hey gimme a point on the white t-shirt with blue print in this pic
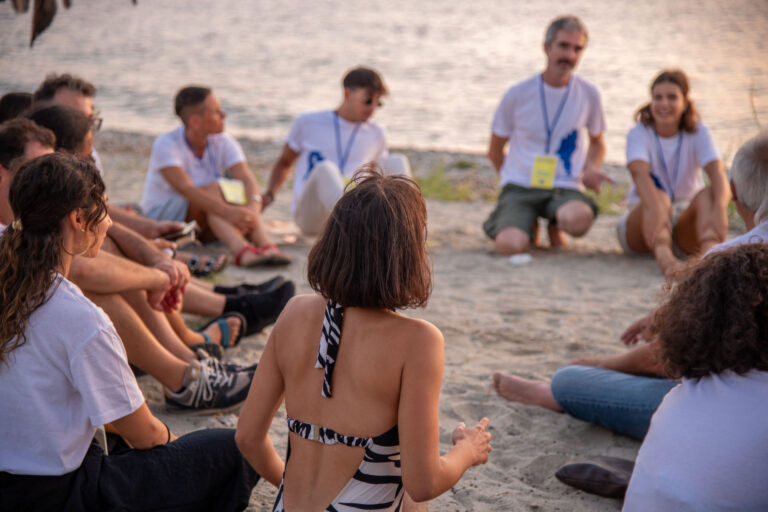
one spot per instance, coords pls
(520, 118)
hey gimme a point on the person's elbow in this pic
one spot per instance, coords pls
(245, 442)
(422, 489)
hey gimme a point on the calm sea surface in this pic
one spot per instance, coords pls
(446, 62)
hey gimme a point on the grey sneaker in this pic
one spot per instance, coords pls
(209, 387)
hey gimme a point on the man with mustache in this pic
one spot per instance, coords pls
(553, 123)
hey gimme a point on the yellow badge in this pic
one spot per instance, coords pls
(543, 172)
(233, 191)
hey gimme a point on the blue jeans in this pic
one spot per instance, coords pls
(618, 401)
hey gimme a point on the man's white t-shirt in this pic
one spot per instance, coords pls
(70, 376)
(706, 449)
(173, 150)
(679, 176)
(313, 136)
(520, 118)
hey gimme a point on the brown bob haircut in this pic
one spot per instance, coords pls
(716, 319)
(689, 121)
(372, 252)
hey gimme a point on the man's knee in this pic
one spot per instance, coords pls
(511, 241)
(575, 218)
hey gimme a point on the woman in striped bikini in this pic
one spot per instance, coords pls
(362, 406)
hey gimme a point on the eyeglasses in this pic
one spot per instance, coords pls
(96, 121)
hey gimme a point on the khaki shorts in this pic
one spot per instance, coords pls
(520, 207)
(678, 207)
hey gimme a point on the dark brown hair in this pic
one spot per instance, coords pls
(43, 192)
(365, 78)
(372, 253)
(689, 121)
(188, 98)
(53, 82)
(14, 104)
(716, 319)
(69, 125)
(16, 134)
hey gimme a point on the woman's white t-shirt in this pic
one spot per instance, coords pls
(70, 376)
(679, 174)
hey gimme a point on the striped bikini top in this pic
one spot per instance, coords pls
(377, 484)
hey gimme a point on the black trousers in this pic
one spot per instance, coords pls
(202, 471)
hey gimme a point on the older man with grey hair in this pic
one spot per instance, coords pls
(554, 125)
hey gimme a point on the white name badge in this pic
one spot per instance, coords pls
(543, 171)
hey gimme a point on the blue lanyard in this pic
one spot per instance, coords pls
(343, 156)
(551, 129)
(672, 178)
(212, 169)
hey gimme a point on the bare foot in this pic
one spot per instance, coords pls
(556, 237)
(525, 391)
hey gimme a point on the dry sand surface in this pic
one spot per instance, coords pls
(527, 319)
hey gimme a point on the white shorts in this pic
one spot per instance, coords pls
(678, 207)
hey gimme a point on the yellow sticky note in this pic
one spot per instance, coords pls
(233, 191)
(543, 172)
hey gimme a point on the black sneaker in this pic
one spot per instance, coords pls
(246, 288)
(262, 309)
(210, 388)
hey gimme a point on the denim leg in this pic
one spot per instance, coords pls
(618, 401)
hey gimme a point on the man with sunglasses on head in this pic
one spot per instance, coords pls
(554, 125)
(329, 146)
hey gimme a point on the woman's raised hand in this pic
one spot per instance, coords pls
(476, 438)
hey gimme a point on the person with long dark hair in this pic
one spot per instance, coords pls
(671, 208)
(364, 401)
(63, 372)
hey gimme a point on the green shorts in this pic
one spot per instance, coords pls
(520, 207)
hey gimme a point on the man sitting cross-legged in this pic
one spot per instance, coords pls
(183, 181)
(622, 392)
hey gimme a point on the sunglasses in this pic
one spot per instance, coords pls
(369, 101)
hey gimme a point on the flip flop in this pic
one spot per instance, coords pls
(268, 254)
(224, 327)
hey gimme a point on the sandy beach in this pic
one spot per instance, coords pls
(527, 319)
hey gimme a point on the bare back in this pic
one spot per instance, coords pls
(365, 387)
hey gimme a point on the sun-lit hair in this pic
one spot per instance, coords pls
(749, 173)
(569, 23)
(689, 121)
(43, 193)
(372, 252)
(716, 318)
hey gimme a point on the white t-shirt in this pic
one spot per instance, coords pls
(2, 228)
(172, 150)
(520, 118)
(679, 177)
(706, 449)
(70, 376)
(313, 136)
(758, 234)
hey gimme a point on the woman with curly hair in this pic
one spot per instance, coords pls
(63, 373)
(362, 404)
(707, 448)
(669, 205)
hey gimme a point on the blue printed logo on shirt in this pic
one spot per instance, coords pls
(566, 150)
(314, 158)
